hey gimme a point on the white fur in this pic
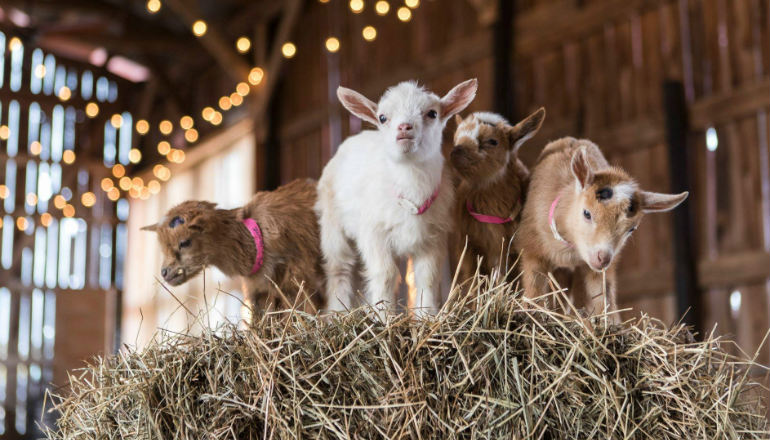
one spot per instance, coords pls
(360, 209)
(624, 191)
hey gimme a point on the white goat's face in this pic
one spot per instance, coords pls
(409, 117)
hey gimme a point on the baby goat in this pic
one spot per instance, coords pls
(491, 190)
(273, 238)
(384, 194)
(579, 213)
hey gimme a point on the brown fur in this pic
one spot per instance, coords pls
(494, 181)
(218, 237)
(577, 171)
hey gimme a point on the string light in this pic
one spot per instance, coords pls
(68, 156)
(125, 183)
(176, 156)
(5, 132)
(164, 147)
(412, 3)
(357, 6)
(88, 199)
(59, 201)
(14, 43)
(186, 122)
(216, 119)
(4, 192)
(332, 44)
(65, 93)
(142, 126)
(118, 170)
(31, 199)
(208, 113)
(191, 135)
(243, 45)
(153, 6)
(68, 210)
(116, 120)
(255, 75)
(35, 148)
(92, 109)
(382, 7)
(45, 219)
(289, 49)
(107, 184)
(404, 14)
(134, 193)
(199, 28)
(242, 89)
(236, 99)
(40, 71)
(369, 33)
(165, 126)
(113, 194)
(153, 186)
(134, 155)
(22, 223)
(224, 103)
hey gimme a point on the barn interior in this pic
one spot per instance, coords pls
(112, 111)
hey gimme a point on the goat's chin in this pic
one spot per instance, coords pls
(406, 146)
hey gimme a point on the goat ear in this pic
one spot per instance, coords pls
(581, 169)
(660, 202)
(458, 119)
(358, 104)
(458, 98)
(525, 129)
(150, 227)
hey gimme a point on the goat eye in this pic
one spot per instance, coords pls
(176, 221)
(604, 194)
(185, 243)
(432, 114)
(383, 119)
(492, 142)
(586, 214)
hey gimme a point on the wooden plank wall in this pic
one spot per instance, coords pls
(598, 67)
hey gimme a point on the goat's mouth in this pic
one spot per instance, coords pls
(401, 137)
(180, 275)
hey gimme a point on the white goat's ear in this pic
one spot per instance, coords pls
(458, 98)
(581, 169)
(150, 227)
(524, 130)
(358, 104)
(660, 202)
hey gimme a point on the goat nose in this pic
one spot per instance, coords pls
(404, 127)
(164, 272)
(604, 258)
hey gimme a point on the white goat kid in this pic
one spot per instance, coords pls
(384, 194)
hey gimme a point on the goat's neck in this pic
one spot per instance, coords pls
(410, 173)
(232, 246)
(494, 196)
(564, 210)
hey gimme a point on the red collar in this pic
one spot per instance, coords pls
(483, 218)
(256, 233)
(420, 210)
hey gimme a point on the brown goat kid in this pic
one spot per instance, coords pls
(273, 238)
(579, 213)
(490, 195)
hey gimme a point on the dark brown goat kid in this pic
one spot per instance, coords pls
(273, 238)
(490, 195)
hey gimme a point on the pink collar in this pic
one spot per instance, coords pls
(419, 210)
(552, 222)
(253, 228)
(483, 218)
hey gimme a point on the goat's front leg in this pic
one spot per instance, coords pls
(427, 267)
(380, 269)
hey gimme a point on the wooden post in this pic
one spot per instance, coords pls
(685, 273)
(503, 50)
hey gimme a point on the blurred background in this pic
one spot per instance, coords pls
(112, 111)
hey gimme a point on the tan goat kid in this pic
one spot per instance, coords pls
(579, 213)
(273, 238)
(490, 195)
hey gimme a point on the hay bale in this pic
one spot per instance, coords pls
(499, 371)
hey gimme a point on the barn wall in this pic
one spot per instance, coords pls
(598, 67)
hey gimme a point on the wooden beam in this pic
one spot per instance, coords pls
(735, 269)
(734, 104)
(214, 41)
